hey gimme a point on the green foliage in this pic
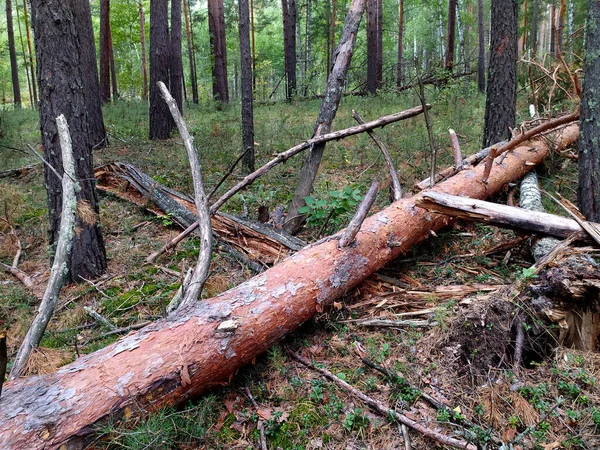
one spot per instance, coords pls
(356, 421)
(333, 209)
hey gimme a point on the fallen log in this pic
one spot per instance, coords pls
(259, 242)
(501, 215)
(204, 344)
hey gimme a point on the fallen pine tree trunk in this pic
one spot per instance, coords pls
(204, 344)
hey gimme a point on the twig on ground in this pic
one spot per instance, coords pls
(406, 436)
(261, 429)
(384, 323)
(193, 290)
(99, 318)
(386, 155)
(361, 214)
(384, 410)
(63, 250)
(122, 330)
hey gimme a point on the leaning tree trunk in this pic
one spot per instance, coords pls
(588, 194)
(181, 356)
(501, 97)
(329, 106)
(62, 71)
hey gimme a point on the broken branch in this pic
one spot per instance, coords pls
(360, 216)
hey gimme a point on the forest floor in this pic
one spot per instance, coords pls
(453, 355)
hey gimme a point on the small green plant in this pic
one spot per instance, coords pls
(528, 274)
(332, 209)
(443, 416)
(356, 421)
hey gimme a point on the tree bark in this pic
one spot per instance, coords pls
(562, 12)
(113, 67)
(534, 27)
(588, 193)
(161, 122)
(14, 70)
(105, 51)
(501, 97)
(247, 97)
(190, 49)
(372, 46)
(379, 33)
(481, 48)
(461, 38)
(400, 78)
(63, 68)
(216, 28)
(451, 35)
(289, 43)
(181, 356)
(329, 105)
(91, 86)
(176, 66)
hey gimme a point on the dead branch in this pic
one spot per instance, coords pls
(192, 291)
(19, 274)
(501, 215)
(361, 214)
(99, 318)
(384, 323)
(458, 159)
(282, 157)
(228, 173)
(384, 410)
(63, 250)
(261, 429)
(386, 155)
(432, 146)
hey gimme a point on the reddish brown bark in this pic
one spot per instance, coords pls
(183, 355)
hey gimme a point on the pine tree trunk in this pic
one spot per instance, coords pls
(588, 194)
(113, 68)
(30, 51)
(534, 27)
(461, 37)
(500, 104)
(29, 80)
(62, 70)
(400, 78)
(372, 46)
(481, 48)
(553, 28)
(161, 122)
(253, 45)
(562, 12)
(14, 70)
(307, 49)
(441, 39)
(329, 106)
(451, 35)
(190, 50)
(105, 51)
(91, 86)
(246, 69)
(523, 38)
(216, 27)
(379, 57)
(143, 50)
(290, 49)
(176, 67)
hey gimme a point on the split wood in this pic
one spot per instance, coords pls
(284, 156)
(500, 215)
(498, 149)
(386, 155)
(63, 250)
(384, 410)
(361, 214)
(192, 291)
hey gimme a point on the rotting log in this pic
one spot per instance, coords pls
(505, 216)
(259, 242)
(204, 344)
